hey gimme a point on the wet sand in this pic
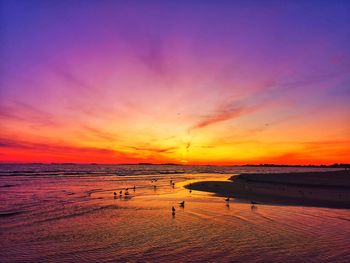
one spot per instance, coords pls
(320, 189)
(77, 218)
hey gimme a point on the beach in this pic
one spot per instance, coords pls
(323, 189)
(70, 213)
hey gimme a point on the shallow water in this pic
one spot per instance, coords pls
(75, 218)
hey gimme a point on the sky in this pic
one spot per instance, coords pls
(190, 82)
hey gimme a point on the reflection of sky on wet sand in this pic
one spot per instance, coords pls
(78, 219)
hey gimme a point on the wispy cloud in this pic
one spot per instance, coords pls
(52, 147)
(67, 74)
(88, 131)
(153, 55)
(20, 111)
(153, 149)
(224, 112)
(188, 145)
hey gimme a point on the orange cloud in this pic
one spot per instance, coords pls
(223, 113)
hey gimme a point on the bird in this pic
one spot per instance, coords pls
(120, 192)
(126, 193)
(126, 189)
(190, 191)
(227, 199)
(173, 210)
(253, 207)
(134, 188)
(182, 204)
(115, 193)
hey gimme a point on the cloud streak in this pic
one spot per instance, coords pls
(153, 149)
(24, 112)
(223, 113)
(89, 132)
(55, 148)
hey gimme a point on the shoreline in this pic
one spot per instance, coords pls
(320, 189)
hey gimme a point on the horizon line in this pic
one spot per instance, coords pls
(179, 164)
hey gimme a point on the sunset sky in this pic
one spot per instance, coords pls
(192, 82)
